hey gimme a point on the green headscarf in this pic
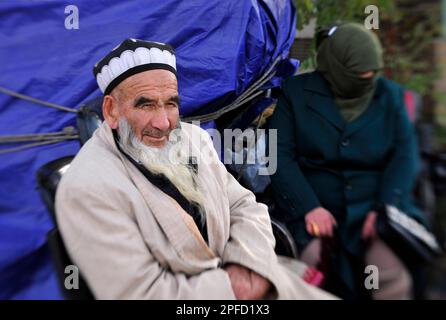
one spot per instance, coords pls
(348, 51)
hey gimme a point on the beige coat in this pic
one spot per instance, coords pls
(132, 241)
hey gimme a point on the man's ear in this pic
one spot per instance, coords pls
(110, 111)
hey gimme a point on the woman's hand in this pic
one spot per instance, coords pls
(369, 229)
(320, 222)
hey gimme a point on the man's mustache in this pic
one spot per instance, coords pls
(156, 133)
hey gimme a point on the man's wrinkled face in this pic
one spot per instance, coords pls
(149, 102)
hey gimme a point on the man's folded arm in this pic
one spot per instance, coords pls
(104, 241)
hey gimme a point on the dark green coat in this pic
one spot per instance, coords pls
(345, 167)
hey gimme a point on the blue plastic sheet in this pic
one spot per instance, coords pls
(221, 46)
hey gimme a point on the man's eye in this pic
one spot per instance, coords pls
(172, 105)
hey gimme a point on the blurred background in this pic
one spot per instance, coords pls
(413, 35)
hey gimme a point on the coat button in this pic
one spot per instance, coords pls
(345, 142)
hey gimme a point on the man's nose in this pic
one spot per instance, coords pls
(160, 120)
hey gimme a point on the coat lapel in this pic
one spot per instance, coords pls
(216, 219)
(320, 99)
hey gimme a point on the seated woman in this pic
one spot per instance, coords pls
(345, 145)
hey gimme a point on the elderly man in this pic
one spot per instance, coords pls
(147, 210)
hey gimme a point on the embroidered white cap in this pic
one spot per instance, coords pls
(132, 56)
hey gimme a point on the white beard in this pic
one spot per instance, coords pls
(168, 160)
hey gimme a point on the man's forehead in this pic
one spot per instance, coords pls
(152, 77)
(159, 82)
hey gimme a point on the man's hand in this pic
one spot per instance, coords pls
(320, 222)
(246, 284)
(369, 229)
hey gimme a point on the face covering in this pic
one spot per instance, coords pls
(348, 51)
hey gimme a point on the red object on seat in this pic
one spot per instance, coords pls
(314, 276)
(410, 102)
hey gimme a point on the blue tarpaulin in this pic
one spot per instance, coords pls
(222, 47)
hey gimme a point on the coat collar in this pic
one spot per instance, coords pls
(321, 100)
(316, 82)
(178, 226)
